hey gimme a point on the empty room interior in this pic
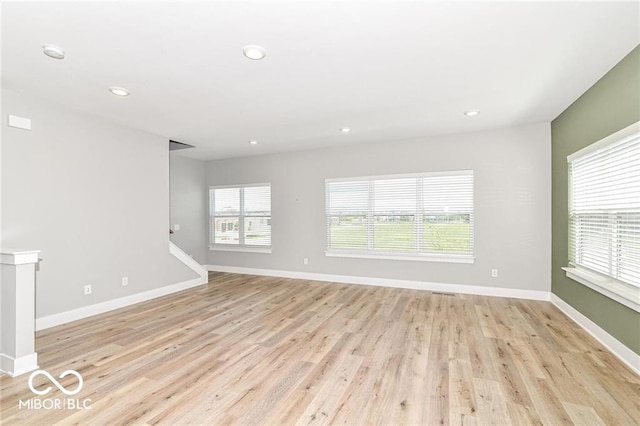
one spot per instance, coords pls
(292, 212)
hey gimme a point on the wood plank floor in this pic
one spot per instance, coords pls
(271, 351)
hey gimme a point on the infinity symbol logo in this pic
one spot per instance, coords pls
(55, 382)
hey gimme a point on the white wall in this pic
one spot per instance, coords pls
(1, 239)
(512, 205)
(93, 196)
(189, 206)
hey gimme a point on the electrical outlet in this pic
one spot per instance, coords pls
(87, 289)
(305, 261)
(125, 281)
(176, 227)
(494, 273)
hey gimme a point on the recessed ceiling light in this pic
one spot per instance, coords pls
(471, 113)
(254, 52)
(119, 91)
(345, 129)
(53, 51)
(253, 142)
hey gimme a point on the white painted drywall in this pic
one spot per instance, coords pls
(93, 196)
(512, 169)
(189, 206)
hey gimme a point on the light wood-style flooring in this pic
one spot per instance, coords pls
(270, 351)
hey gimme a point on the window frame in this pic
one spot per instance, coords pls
(242, 215)
(420, 212)
(620, 291)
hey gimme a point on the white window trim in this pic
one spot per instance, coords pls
(239, 247)
(619, 291)
(402, 176)
(445, 258)
(620, 134)
(423, 257)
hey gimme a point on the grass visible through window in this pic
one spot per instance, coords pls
(438, 237)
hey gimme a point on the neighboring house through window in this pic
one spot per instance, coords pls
(240, 217)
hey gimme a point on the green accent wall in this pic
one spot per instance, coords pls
(608, 106)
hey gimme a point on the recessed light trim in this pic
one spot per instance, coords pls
(53, 51)
(254, 52)
(119, 91)
(471, 113)
(253, 142)
(345, 129)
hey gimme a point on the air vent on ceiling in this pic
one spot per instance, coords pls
(175, 145)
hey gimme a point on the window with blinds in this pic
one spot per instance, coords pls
(426, 216)
(240, 216)
(604, 209)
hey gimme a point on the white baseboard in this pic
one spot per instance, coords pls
(110, 305)
(17, 366)
(99, 308)
(626, 355)
(385, 282)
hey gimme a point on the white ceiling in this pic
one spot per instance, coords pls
(389, 70)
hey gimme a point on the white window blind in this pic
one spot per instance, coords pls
(604, 208)
(240, 216)
(416, 216)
